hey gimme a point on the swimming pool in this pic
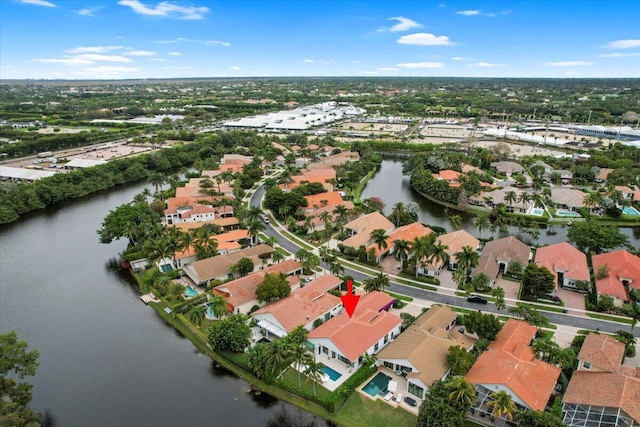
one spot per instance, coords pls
(537, 212)
(334, 375)
(377, 386)
(166, 268)
(190, 292)
(568, 214)
(628, 210)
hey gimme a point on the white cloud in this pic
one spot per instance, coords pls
(460, 58)
(88, 11)
(94, 49)
(421, 65)
(309, 61)
(468, 12)
(624, 44)
(620, 54)
(387, 69)
(217, 43)
(485, 65)
(140, 53)
(65, 61)
(175, 54)
(106, 58)
(370, 73)
(403, 24)
(38, 3)
(357, 61)
(425, 39)
(159, 59)
(235, 68)
(568, 63)
(166, 9)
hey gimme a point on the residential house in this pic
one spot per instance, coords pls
(231, 223)
(627, 193)
(622, 271)
(547, 168)
(507, 168)
(566, 262)
(240, 294)
(602, 392)
(509, 365)
(306, 306)
(453, 178)
(316, 201)
(568, 198)
(348, 339)
(407, 232)
(316, 223)
(360, 229)
(190, 213)
(323, 176)
(420, 352)
(498, 254)
(565, 175)
(455, 242)
(603, 174)
(204, 271)
(490, 199)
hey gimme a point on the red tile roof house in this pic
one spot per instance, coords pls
(346, 339)
(623, 273)
(240, 294)
(304, 307)
(602, 392)
(406, 232)
(498, 254)
(360, 229)
(420, 352)
(204, 271)
(190, 213)
(509, 364)
(567, 262)
(227, 243)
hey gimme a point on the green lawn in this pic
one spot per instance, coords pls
(610, 318)
(291, 376)
(361, 411)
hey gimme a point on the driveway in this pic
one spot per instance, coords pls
(574, 301)
(511, 288)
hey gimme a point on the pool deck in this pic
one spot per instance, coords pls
(391, 398)
(147, 298)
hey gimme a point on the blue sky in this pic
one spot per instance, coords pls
(74, 39)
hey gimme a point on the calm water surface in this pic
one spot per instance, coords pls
(392, 187)
(105, 358)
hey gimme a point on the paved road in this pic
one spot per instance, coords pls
(556, 318)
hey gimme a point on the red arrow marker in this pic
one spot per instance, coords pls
(349, 300)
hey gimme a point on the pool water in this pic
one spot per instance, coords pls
(334, 375)
(378, 385)
(190, 292)
(166, 268)
(568, 213)
(537, 212)
(630, 211)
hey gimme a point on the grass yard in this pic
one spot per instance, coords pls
(291, 376)
(361, 411)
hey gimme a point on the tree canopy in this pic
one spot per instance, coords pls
(230, 334)
(537, 282)
(589, 236)
(273, 286)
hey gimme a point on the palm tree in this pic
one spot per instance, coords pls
(480, 281)
(461, 391)
(397, 214)
(401, 249)
(314, 373)
(255, 227)
(524, 198)
(278, 257)
(455, 221)
(271, 241)
(205, 247)
(482, 223)
(218, 306)
(510, 197)
(593, 200)
(498, 293)
(157, 179)
(437, 253)
(254, 213)
(467, 259)
(502, 404)
(419, 249)
(277, 355)
(301, 357)
(323, 251)
(342, 213)
(196, 315)
(325, 217)
(336, 268)
(379, 237)
(177, 290)
(308, 223)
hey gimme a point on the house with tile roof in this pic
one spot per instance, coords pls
(322, 176)
(347, 339)
(316, 223)
(507, 168)
(360, 229)
(602, 392)
(316, 201)
(455, 241)
(204, 271)
(407, 232)
(498, 254)
(230, 223)
(306, 306)
(568, 198)
(566, 262)
(623, 273)
(333, 160)
(420, 353)
(489, 199)
(509, 364)
(240, 294)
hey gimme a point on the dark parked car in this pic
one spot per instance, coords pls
(409, 401)
(477, 298)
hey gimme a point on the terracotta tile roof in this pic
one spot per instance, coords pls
(406, 232)
(233, 235)
(235, 159)
(185, 253)
(604, 173)
(363, 226)
(190, 191)
(564, 258)
(243, 290)
(507, 249)
(335, 160)
(210, 268)
(333, 198)
(447, 175)
(624, 189)
(510, 361)
(305, 304)
(176, 202)
(568, 196)
(457, 240)
(622, 265)
(426, 342)
(354, 336)
(228, 246)
(198, 209)
(222, 222)
(602, 351)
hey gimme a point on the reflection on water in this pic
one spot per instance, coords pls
(293, 418)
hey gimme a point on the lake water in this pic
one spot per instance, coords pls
(392, 187)
(105, 358)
